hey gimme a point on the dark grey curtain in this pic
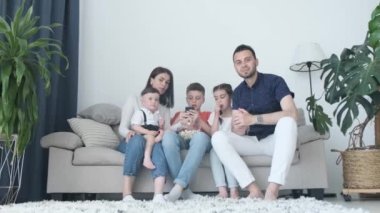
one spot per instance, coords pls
(61, 104)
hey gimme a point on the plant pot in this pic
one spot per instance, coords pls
(11, 165)
(361, 168)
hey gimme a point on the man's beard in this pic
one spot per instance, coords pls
(249, 75)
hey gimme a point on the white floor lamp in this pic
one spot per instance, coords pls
(307, 58)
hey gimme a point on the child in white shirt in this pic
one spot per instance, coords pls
(147, 122)
(220, 119)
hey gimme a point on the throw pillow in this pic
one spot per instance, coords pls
(64, 140)
(104, 113)
(94, 133)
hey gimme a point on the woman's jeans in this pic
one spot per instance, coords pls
(134, 154)
(198, 145)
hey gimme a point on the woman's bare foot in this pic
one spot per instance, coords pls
(272, 191)
(148, 163)
(254, 191)
(234, 193)
(222, 192)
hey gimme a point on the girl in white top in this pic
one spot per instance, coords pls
(220, 119)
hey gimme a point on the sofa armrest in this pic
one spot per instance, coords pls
(64, 140)
(307, 134)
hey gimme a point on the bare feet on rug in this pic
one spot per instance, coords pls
(148, 163)
(272, 191)
(234, 193)
(254, 191)
(222, 192)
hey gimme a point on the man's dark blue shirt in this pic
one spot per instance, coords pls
(263, 97)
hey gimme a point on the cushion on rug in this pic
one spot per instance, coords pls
(103, 113)
(94, 133)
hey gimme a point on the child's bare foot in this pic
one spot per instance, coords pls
(222, 195)
(234, 193)
(254, 191)
(148, 163)
(222, 192)
(257, 194)
(272, 191)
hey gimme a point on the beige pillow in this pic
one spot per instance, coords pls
(65, 140)
(94, 133)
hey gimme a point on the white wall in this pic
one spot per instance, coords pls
(121, 41)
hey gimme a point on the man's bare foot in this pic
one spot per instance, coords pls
(222, 192)
(272, 191)
(234, 193)
(254, 191)
(148, 163)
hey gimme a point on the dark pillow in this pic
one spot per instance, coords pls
(103, 113)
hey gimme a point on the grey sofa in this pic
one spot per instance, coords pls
(76, 168)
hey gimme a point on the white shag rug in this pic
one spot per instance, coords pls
(203, 204)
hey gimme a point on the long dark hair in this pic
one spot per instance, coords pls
(166, 99)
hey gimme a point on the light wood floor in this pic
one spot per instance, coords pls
(371, 205)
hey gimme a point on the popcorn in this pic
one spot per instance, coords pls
(187, 134)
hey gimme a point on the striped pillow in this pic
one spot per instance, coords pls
(94, 133)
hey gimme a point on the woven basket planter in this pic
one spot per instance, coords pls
(361, 168)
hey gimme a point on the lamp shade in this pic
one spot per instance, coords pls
(307, 53)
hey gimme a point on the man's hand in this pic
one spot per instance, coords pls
(240, 121)
(242, 117)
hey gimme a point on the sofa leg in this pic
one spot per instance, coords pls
(297, 193)
(316, 193)
(89, 196)
(56, 196)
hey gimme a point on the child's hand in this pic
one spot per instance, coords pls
(218, 110)
(159, 136)
(192, 119)
(194, 115)
(152, 132)
(185, 118)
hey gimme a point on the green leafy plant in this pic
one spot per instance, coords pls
(25, 59)
(351, 81)
(319, 119)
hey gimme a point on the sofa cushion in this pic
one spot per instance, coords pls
(103, 113)
(64, 140)
(97, 156)
(301, 117)
(255, 160)
(307, 134)
(94, 133)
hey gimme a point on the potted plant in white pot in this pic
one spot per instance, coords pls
(351, 81)
(25, 59)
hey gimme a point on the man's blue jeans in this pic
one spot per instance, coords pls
(172, 143)
(134, 154)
